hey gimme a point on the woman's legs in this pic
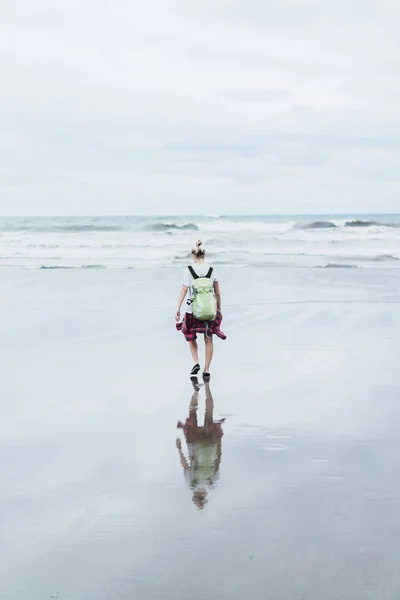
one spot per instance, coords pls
(208, 418)
(195, 351)
(209, 353)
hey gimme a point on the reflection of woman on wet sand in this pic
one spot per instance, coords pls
(201, 469)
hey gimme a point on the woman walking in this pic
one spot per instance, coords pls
(201, 286)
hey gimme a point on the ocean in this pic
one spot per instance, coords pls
(136, 242)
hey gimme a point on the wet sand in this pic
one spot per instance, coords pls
(96, 502)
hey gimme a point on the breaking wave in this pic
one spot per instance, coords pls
(53, 228)
(319, 225)
(340, 266)
(361, 223)
(63, 267)
(171, 226)
(338, 225)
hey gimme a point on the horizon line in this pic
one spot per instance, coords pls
(191, 215)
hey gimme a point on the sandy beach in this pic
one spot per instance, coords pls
(95, 502)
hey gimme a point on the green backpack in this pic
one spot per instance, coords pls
(204, 304)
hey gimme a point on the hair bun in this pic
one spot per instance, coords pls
(198, 250)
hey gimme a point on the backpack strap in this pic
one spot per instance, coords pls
(210, 271)
(193, 273)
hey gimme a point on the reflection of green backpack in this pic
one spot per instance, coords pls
(204, 304)
(205, 458)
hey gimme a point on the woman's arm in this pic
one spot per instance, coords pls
(182, 458)
(217, 293)
(219, 455)
(181, 298)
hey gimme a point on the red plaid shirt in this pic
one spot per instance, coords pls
(190, 327)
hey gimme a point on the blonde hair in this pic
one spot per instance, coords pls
(198, 250)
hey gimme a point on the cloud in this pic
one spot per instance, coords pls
(127, 107)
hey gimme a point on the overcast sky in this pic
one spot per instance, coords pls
(183, 106)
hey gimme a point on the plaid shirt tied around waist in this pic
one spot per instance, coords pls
(190, 327)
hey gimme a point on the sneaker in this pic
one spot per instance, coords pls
(206, 376)
(195, 370)
(195, 383)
